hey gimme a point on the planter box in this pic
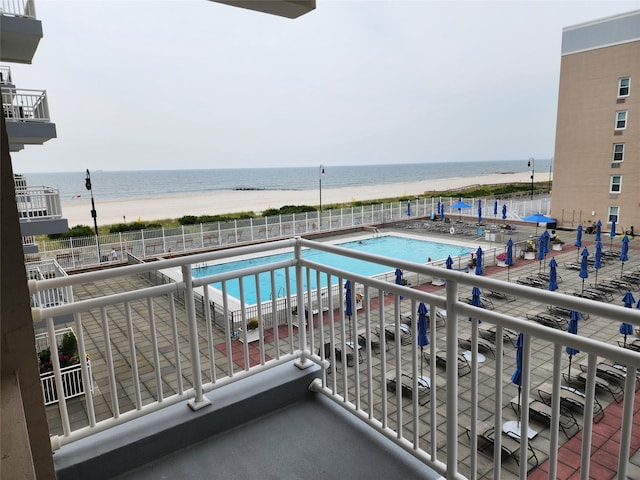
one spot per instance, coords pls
(556, 246)
(252, 335)
(501, 263)
(529, 255)
(71, 382)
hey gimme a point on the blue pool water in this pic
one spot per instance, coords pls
(390, 246)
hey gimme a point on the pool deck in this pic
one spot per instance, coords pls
(603, 460)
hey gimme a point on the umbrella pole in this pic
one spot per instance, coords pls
(421, 359)
(625, 341)
(578, 256)
(519, 392)
(621, 269)
(596, 281)
(508, 270)
(569, 371)
(582, 292)
(350, 339)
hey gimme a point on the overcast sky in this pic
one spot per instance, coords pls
(137, 85)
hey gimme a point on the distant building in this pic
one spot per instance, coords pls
(596, 174)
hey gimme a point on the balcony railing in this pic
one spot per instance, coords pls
(5, 75)
(158, 350)
(38, 203)
(19, 8)
(22, 105)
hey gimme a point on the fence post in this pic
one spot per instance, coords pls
(303, 362)
(199, 400)
(251, 227)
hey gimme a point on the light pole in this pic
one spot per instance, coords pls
(531, 164)
(87, 183)
(321, 173)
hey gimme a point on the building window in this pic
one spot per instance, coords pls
(616, 184)
(613, 214)
(618, 152)
(621, 120)
(623, 86)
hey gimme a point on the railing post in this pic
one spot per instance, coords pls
(199, 400)
(452, 380)
(303, 362)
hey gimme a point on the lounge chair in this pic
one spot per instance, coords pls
(441, 318)
(465, 342)
(539, 409)
(621, 284)
(510, 444)
(490, 334)
(605, 286)
(485, 303)
(631, 344)
(405, 332)
(556, 310)
(545, 277)
(602, 383)
(611, 253)
(571, 398)
(613, 372)
(549, 320)
(592, 294)
(338, 353)
(374, 339)
(532, 282)
(577, 266)
(502, 296)
(464, 367)
(424, 386)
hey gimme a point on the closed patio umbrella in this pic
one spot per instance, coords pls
(423, 339)
(597, 264)
(408, 208)
(578, 242)
(399, 279)
(509, 260)
(553, 275)
(449, 262)
(584, 267)
(572, 328)
(479, 261)
(612, 233)
(517, 374)
(542, 251)
(348, 308)
(624, 252)
(495, 210)
(626, 328)
(479, 211)
(598, 231)
(504, 211)
(475, 300)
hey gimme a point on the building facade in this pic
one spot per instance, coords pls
(596, 173)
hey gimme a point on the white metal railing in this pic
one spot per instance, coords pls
(38, 203)
(53, 296)
(19, 8)
(81, 252)
(5, 75)
(22, 105)
(72, 383)
(200, 356)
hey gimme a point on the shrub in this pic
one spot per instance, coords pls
(77, 231)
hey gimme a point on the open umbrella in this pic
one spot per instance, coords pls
(423, 339)
(572, 328)
(479, 211)
(449, 262)
(460, 205)
(538, 218)
(598, 231)
(517, 374)
(553, 275)
(504, 211)
(584, 266)
(348, 309)
(624, 252)
(612, 233)
(578, 242)
(399, 280)
(509, 260)
(479, 261)
(597, 264)
(408, 208)
(626, 328)
(495, 210)
(475, 300)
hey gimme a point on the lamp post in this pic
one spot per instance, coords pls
(87, 183)
(321, 173)
(531, 164)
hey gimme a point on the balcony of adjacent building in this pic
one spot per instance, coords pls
(26, 113)
(371, 378)
(20, 31)
(39, 211)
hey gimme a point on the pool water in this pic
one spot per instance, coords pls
(402, 248)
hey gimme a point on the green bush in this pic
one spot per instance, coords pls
(77, 231)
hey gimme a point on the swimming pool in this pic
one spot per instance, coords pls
(402, 248)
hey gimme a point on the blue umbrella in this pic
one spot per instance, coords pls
(438, 209)
(408, 208)
(572, 328)
(348, 310)
(449, 262)
(517, 374)
(504, 211)
(423, 339)
(624, 252)
(584, 266)
(475, 300)
(553, 275)
(479, 211)
(399, 279)
(460, 205)
(578, 242)
(479, 261)
(538, 218)
(442, 211)
(509, 260)
(612, 233)
(495, 210)
(598, 231)
(626, 328)
(597, 264)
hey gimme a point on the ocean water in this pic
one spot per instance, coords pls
(109, 185)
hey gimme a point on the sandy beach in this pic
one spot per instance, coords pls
(221, 202)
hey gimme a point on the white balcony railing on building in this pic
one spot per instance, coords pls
(38, 203)
(19, 8)
(5, 75)
(52, 296)
(201, 357)
(22, 105)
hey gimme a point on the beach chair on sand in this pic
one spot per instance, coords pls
(407, 385)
